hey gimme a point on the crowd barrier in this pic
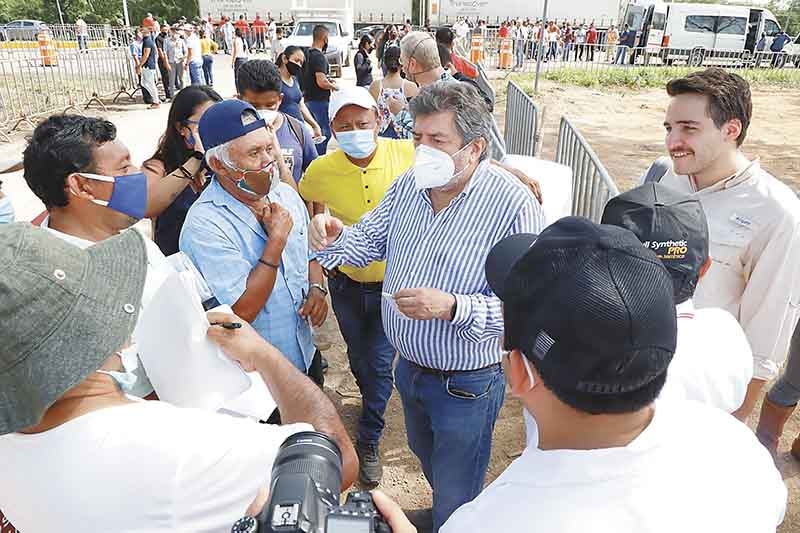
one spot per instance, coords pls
(592, 186)
(50, 77)
(520, 56)
(522, 121)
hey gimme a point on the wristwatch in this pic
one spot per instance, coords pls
(319, 286)
(198, 155)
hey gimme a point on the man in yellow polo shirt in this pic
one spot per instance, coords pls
(352, 181)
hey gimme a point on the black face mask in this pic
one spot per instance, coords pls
(325, 47)
(294, 69)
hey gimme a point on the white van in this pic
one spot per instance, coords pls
(698, 33)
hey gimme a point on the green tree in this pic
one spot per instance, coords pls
(97, 11)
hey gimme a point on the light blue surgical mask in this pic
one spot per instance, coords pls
(358, 144)
(6, 211)
(130, 362)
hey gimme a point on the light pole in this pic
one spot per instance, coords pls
(125, 12)
(541, 44)
(60, 15)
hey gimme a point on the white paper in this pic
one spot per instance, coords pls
(255, 402)
(393, 304)
(185, 368)
(554, 179)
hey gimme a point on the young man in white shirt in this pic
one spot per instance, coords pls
(754, 219)
(76, 450)
(713, 363)
(590, 322)
(92, 190)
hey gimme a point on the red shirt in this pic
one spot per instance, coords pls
(591, 36)
(243, 25)
(259, 25)
(464, 67)
(148, 22)
(504, 32)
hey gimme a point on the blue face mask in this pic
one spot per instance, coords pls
(6, 211)
(129, 195)
(358, 144)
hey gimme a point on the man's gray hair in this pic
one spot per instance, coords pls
(472, 116)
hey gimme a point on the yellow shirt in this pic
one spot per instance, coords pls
(350, 191)
(207, 46)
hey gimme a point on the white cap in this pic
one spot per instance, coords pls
(350, 95)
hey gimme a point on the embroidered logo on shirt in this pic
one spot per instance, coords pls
(742, 221)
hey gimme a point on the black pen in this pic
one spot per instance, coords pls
(228, 325)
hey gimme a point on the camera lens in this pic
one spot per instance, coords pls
(314, 454)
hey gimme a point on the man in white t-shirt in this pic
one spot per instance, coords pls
(753, 219)
(713, 363)
(590, 322)
(84, 176)
(77, 453)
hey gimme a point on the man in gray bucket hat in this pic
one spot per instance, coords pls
(79, 454)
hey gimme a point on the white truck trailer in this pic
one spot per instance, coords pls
(601, 12)
(364, 11)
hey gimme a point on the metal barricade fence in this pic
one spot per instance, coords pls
(522, 120)
(592, 186)
(65, 79)
(600, 57)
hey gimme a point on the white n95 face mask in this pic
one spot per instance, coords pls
(434, 168)
(269, 115)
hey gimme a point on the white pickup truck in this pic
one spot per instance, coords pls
(340, 41)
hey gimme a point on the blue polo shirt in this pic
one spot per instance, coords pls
(225, 241)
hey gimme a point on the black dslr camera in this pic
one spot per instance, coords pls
(304, 494)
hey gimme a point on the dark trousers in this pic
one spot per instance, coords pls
(165, 80)
(358, 311)
(319, 109)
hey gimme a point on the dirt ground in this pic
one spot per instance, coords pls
(626, 133)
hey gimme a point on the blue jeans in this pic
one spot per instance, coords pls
(319, 108)
(196, 73)
(622, 51)
(83, 42)
(449, 418)
(208, 70)
(358, 310)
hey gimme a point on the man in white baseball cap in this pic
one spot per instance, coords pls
(351, 181)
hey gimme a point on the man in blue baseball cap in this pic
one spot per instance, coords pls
(247, 234)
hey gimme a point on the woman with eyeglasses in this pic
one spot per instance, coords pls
(179, 156)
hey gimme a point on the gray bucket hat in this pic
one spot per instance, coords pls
(63, 311)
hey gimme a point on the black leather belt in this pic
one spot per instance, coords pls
(448, 373)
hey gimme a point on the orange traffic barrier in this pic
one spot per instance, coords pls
(476, 53)
(47, 50)
(506, 53)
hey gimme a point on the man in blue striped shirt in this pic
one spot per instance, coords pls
(434, 227)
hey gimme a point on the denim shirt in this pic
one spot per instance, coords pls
(225, 241)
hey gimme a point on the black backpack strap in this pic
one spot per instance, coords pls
(297, 129)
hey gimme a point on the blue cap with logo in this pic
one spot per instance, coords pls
(228, 120)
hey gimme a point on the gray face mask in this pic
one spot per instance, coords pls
(130, 362)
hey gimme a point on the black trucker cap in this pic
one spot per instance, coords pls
(670, 224)
(587, 304)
